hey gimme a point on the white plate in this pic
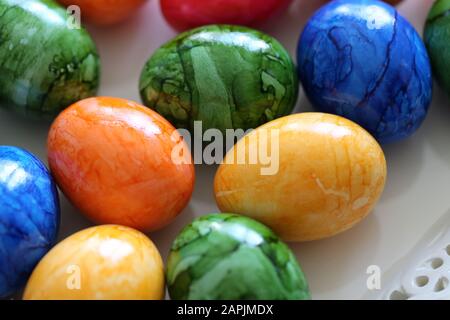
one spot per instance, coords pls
(418, 186)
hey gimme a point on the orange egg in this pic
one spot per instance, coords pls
(105, 12)
(114, 160)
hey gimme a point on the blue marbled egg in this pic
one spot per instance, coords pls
(29, 216)
(362, 60)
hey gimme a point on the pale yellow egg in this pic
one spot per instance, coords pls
(107, 262)
(307, 176)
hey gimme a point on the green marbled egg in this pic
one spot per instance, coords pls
(228, 77)
(45, 65)
(437, 40)
(226, 256)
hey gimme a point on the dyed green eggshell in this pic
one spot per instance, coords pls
(226, 256)
(226, 76)
(437, 40)
(45, 65)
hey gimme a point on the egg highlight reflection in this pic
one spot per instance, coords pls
(29, 216)
(116, 161)
(100, 263)
(321, 175)
(222, 77)
(42, 71)
(361, 59)
(227, 256)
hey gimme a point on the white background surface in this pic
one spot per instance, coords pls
(417, 191)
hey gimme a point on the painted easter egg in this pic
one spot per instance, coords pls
(392, 2)
(105, 12)
(226, 256)
(100, 263)
(188, 14)
(118, 163)
(437, 40)
(42, 71)
(307, 176)
(376, 73)
(227, 77)
(29, 216)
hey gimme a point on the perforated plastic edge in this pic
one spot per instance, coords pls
(424, 273)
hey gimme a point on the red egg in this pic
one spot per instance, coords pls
(105, 12)
(118, 163)
(188, 14)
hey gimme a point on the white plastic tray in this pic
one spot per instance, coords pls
(424, 273)
(418, 186)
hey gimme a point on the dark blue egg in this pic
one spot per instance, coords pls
(362, 60)
(29, 216)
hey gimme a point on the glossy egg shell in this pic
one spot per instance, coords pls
(376, 73)
(392, 2)
(227, 77)
(105, 12)
(100, 263)
(29, 216)
(188, 14)
(437, 40)
(226, 256)
(327, 174)
(113, 159)
(42, 71)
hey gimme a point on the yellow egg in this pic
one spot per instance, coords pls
(105, 262)
(307, 176)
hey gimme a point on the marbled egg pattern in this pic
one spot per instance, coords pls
(29, 216)
(437, 40)
(45, 66)
(326, 174)
(113, 159)
(226, 256)
(225, 76)
(107, 262)
(364, 61)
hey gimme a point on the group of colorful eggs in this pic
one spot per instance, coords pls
(357, 59)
